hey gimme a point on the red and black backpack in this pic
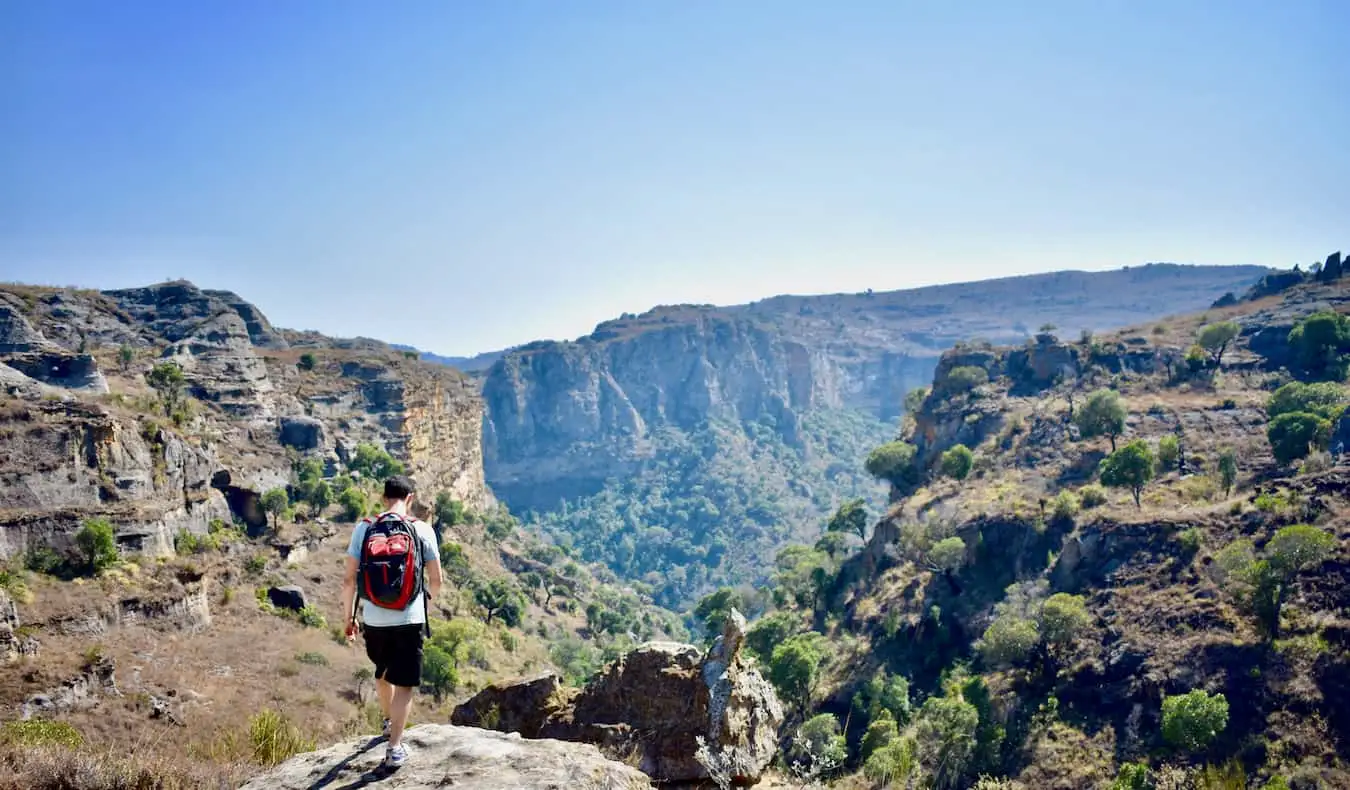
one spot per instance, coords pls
(391, 563)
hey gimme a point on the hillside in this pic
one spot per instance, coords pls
(177, 477)
(690, 442)
(1023, 617)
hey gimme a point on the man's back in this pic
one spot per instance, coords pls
(380, 617)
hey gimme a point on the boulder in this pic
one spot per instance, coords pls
(464, 758)
(664, 704)
(302, 433)
(288, 597)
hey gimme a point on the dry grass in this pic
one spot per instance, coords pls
(43, 768)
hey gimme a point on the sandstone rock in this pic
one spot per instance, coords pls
(461, 757)
(302, 433)
(287, 597)
(59, 369)
(16, 334)
(81, 692)
(260, 331)
(658, 703)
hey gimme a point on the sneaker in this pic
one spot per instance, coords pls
(385, 730)
(395, 756)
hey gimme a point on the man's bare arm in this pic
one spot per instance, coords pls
(349, 596)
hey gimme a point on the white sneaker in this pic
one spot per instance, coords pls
(395, 756)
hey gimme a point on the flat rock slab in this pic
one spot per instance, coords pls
(465, 758)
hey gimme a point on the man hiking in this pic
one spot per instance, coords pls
(394, 569)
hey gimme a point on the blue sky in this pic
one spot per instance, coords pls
(464, 176)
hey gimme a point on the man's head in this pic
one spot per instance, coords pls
(398, 488)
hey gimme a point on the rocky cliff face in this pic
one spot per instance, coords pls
(85, 436)
(564, 417)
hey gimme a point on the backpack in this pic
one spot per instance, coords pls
(390, 568)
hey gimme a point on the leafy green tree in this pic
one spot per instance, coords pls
(1129, 467)
(1262, 584)
(884, 695)
(439, 674)
(167, 379)
(1196, 358)
(892, 765)
(450, 512)
(946, 738)
(914, 399)
(894, 462)
(833, 544)
(1214, 338)
(850, 517)
(957, 462)
(1064, 507)
(1063, 618)
(1103, 415)
(881, 732)
(354, 503)
(947, 554)
(819, 746)
(1296, 434)
(1132, 776)
(307, 361)
(500, 598)
(714, 609)
(373, 463)
(802, 577)
(770, 631)
(1325, 399)
(1193, 720)
(575, 658)
(964, 378)
(321, 496)
(275, 502)
(1169, 450)
(794, 668)
(98, 545)
(1228, 470)
(1321, 342)
(1008, 641)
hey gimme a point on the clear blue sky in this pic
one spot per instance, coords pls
(487, 173)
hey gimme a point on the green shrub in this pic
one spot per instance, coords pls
(97, 544)
(1214, 338)
(818, 746)
(1102, 415)
(313, 659)
(1169, 450)
(1132, 776)
(795, 666)
(307, 361)
(1322, 342)
(354, 503)
(1228, 470)
(1295, 434)
(947, 554)
(1193, 720)
(893, 764)
(964, 378)
(275, 739)
(38, 733)
(1092, 495)
(957, 461)
(373, 463)
(1008, 640)
(946, 734)
(881, 731)
(1063, 618)
(895, 463)
(312, 618)
(1129, 467)
(256, 564)
(772, 630)
(450, 512)
(1065, 506)
(1325, 399)
(1189, 540)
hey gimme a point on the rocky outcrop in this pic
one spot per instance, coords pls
(13, 643)
(461, 757)
(16, 334)
(659, 703)
(302, 433)
(287, 597)
(61, 369)
(260, 330)
(81, 692)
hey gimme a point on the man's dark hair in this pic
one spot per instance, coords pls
(398, 487)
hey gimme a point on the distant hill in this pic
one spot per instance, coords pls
(474, 364)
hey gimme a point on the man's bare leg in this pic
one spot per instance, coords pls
(385, 691)
(399, 708)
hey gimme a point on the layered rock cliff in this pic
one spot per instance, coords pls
(86, 436)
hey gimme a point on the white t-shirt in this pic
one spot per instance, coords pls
(415, 614)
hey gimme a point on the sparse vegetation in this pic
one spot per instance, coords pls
(1193, 720)
(1129, 467)
(1102, 415)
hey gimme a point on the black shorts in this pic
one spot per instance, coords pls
(396, 651)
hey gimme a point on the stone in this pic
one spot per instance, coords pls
(661, 704)
(16, 334)
(302, 433)
(287, 597)
(60, 369)
(465, 758)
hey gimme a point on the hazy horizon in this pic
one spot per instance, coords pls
(511, 172)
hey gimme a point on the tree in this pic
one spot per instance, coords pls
(1325, 399)
(1214, 338)
(362, 676)
(125, 356)
(964, 378)
(1129, 467)
(794, 667)
(818, 746)
(500, 598)
(354, 503)
(97, 544)
(1228, 470)
(914, 399)
(1008, 640)
(307, 361)
(894, 462)
(1063, 618)
(833, 543)
(850, 517)
(1321, 342)
(1102, 415)
(713, 610)
(374, 463)
(321, 496)
(957, 462)
(439, 674)
(881, 731)
(770, 631)
(276, 501)
(947, 554)
(884, 696)
(1169, 450)
(946, 737)
(1262, 584)
(1295, 434)
(450, 512)
(1193, 720)
(167, 379)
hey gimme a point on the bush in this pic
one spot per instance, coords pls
(1325, 399)
(1321, 342)
(818, 746)
(1063, 618)
(1092, 495)
(881, 731)
(1132, 776)
(1008, 640)
(1295, 434)
(1169, 450)
(1129, 467)
(439, 673)
(1065, 506)
(964, 378)
(256, 564)
(1189, 540)
(893, 764)
(1193, 720)
(276, 502)
(1319, 461)
(311, 618)
(373, 463)
(97, 544)
(450, 512)
(795, 666)
(1216, 337)
(37, 733)
(957, 461)
(770, 631)
(354, 503)
(893, 462)
(313, 659)
(947, 554)
(946, 735)
(275, 739)
(1228, 470)
(307, 361)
